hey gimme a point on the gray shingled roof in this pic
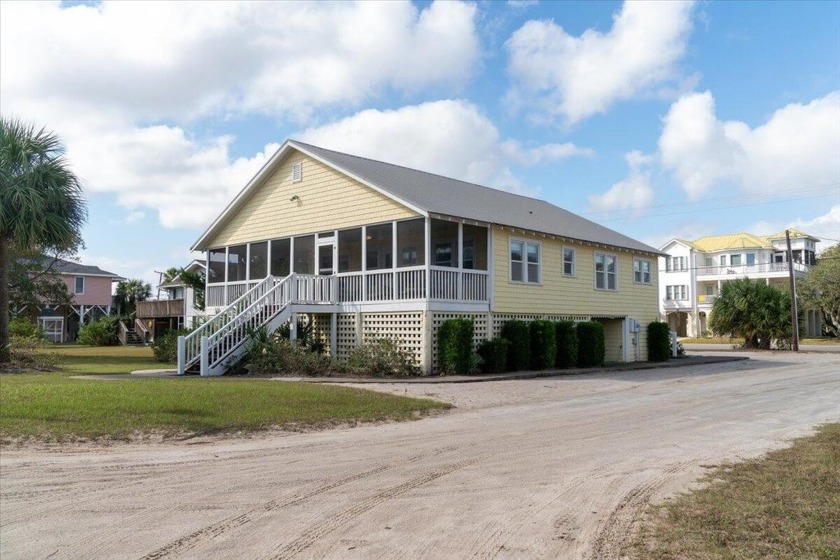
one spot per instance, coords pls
(451, 197)
(69, 267)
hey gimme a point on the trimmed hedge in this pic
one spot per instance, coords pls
(591, 346)
(567, 344)
(518, 335)
(102, 332)
(543, 345)
(455, 346)
(493, 355)
(659, 342)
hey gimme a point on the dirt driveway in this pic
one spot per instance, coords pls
(540, 468)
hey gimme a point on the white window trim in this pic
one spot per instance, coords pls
(525, 243)
(75, 284)
(606, 287)
(574, 261)
(649, 272)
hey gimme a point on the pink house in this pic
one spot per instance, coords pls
(90, 288)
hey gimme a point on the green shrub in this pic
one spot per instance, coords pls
(26, 354)
(567, 344)
(23, 327)
(658, 342)
(455, 346)
(381, 358)
(591, 347)
(165, 347)
(99, 333)
(543, 345)
(493, 354)
(518, 335)
(279, 356)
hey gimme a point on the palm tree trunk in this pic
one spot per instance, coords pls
(5, 353)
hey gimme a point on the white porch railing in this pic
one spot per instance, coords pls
(401, 284)
(750, 269)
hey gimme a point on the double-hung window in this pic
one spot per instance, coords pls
(524, 262)
(79, 285)
(641, 271)
(568, 261)
(605, 272)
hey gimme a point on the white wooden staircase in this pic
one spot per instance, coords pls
(220, 342)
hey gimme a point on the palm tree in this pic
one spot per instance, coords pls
(41, 203)
(753, 310)
(129, 292)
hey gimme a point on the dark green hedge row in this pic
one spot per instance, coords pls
(567, 344)
(518, 334)
(543, 345)
(659, 342)
(493, 355)
(591, 346)
(455, 346)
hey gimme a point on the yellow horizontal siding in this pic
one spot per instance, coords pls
(562, 295)
(328, 200)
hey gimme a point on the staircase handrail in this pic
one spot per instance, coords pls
(249, 319)
(192, 341)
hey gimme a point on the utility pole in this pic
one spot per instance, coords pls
(794, 312)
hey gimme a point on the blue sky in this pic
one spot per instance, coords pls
(658, 119)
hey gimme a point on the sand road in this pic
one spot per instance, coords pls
(540, 468)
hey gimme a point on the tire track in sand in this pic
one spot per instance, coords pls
(319, 530)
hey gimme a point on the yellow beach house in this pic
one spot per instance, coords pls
(364, 249)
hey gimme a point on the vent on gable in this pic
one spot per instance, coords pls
(297, 172)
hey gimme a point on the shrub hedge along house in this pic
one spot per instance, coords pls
(363, 249)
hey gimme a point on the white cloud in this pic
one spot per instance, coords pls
(557, 74)
(797, 147)
(181, 60)
(825, 226)
(631, 193)
(448, 137)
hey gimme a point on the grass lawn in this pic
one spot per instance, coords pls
(56, 407)
(785, 505)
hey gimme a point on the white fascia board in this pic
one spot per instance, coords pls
(240, 197)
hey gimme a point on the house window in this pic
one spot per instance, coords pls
(735, 260)
(444, 243)
(679, 293)
(216, 266)
(79, 285)
(750, 259)
(641, 271)
(475, 247)
(411, 242)
(236, 263)
(708, 261)
(258, 261)
(568, 261)
(380, 246)
(723, 260)
(605, 272)
(673, 264)
(350, 250)
(280, 257)
(304, 254)
(524, 262)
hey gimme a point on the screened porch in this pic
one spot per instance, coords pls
(421, 259)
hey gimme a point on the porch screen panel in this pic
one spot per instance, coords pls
(475, 247)
(281, 257)
(216, 271)
(411, 243)
(380, 247)
(444, 243)
(350, 250)
(236, 263)
(305, 254)
(258, 261)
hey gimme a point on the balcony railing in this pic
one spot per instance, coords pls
(401, 284)
(162, 308)
(750, 269)
(706, 299)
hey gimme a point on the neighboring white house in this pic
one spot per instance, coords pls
(176, 311)
(690, 277)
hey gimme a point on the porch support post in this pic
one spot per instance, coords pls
(460, 275)
(359, 329)
(182, 352)
(364, 264)
(334, 334)
(293, 319)
(426, 365)
(205, 357)
(428, 242)
(394, 261)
